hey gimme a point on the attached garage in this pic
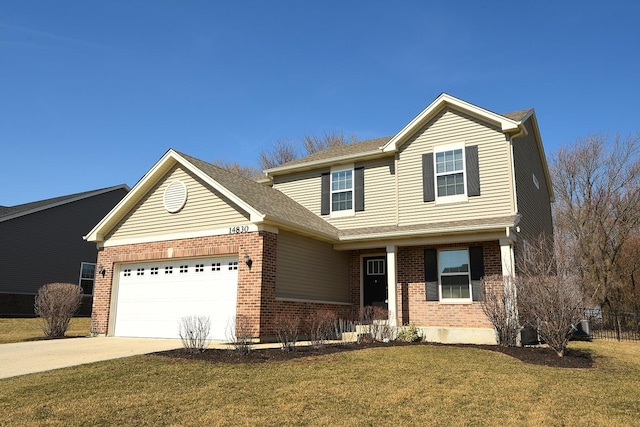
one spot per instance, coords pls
(152, 297)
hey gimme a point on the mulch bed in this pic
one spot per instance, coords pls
(533, 355)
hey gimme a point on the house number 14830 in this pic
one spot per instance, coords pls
(239, 229)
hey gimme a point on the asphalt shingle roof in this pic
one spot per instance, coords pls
(264, 199)
(518, 115)
(371, 145)
(6, 211)
(342, 150)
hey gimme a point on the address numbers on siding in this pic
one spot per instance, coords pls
(238, 229)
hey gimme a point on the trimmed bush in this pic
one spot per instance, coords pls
(56, 303)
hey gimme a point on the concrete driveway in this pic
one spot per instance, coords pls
(39, 356)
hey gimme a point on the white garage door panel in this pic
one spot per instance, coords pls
(154, 296)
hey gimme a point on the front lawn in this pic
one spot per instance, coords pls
(405, 385)
(24, 329)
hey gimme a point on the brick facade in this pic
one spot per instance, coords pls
(412, 304)
(256, 284)
(250, 283)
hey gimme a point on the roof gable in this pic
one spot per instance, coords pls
(263, 204)
(381, 147)
(506, 124)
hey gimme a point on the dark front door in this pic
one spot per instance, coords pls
(375, 281)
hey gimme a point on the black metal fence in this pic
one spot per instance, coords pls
(608, 324)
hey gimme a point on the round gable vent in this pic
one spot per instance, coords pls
(175, 196)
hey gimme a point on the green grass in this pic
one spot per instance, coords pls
(416, 385)
(24, 329)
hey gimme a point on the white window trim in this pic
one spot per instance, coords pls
(346, 212)
(80, 279)
(371, 262)
(458, 197)
(455, 300)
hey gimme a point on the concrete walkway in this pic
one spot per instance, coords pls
(39, 356)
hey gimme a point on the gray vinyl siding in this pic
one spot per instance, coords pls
(47, 246)
(534, 204)
(494, 157)
(205, 209)
(308, 269)
(379, 194)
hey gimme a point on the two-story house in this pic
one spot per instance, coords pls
(41, 242)
(410, 222)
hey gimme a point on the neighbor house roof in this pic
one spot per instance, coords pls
(10, 212)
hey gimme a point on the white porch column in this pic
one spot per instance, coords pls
(392, 295)
(508, 274)
(506, 254)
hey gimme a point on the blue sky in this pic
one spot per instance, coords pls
(93, 93)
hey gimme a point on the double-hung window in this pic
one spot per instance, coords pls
(342, 190)
(87, 277)
(454, 275)
(450, 173)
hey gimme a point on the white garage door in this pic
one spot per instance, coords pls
(154, 296)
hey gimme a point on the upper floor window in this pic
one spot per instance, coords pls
(87, 277)
(342, 190)
(450, 173)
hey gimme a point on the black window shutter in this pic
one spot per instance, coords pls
(428, 190)
(476, 261)
(473, 172)
(431, 274)
(325, 203)
(359, 189)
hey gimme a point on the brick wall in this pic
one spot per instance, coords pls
(256, 284)
(412, 304)
(249, 279)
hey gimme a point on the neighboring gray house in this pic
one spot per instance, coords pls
(41, 242)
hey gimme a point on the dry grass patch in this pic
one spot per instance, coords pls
(25, 329)
(408, 385)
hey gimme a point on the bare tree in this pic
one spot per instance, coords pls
(283, 151)
(245, 171)
(550, 299)
(499, 305)
(597, 187)
(314, 143)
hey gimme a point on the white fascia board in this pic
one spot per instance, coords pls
(255, 216)
(413, 233)
(423, 240)
(506, 125)
(167, 161)
(350, 158)
(292, 226)
(139, 189)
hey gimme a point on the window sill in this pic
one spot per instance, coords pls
(342, 214)
(448, 200)
(456, 302)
